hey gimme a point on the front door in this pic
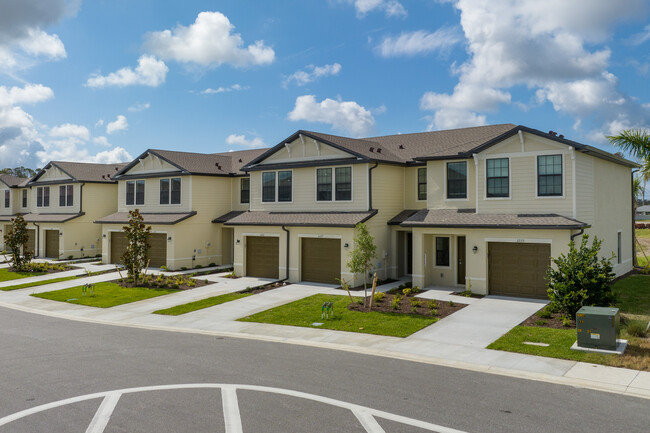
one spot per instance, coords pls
(460, 248)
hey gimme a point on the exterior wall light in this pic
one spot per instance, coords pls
(475, 249)
(346, 245)
(237, 242)
(169, 238)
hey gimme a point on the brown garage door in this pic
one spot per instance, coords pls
(262, 256)
(118, 246)
(52, 243)
(518, 269)
(31, 241)
(321, 260)
(158, 250)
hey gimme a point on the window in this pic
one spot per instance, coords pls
(549, 175)
(24, 198)
(268, 186)
(284, 185)
(324, 184)
(7, 198)
(498, 178)
(135, 192)
(457, 180)
(422, 183)
(619, 250)
(245, 190)
(172, 196)
(442, 251)
(343, 180)
(43, 196)
(66, 195)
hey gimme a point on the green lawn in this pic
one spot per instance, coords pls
(308, 310)
(643, 234)
(39, 283)
(7, 275)
(633, 294)
(106, 295)
(203, 303)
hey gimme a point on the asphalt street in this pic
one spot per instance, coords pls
(231, 384)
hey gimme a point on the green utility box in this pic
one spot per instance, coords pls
(598, 327)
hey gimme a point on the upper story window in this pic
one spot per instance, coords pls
(24, 198)
(277, 184)
(170, 191)
(442, 251)
(422, 183)
(66, 195)
(457, 180)
(43, 196)
(245, 190)
(549, 175)
(7, 198)
(341, 177)
(135, 192)
(498, 177)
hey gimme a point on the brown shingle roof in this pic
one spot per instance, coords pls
(84, 171)
(149, 218)
(401, 217)
(228, 216)
(11, 181)
(51, 217)
(469, 219)
(314, 219)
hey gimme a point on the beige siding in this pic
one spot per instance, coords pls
(585, 188)
(437, 186)
(152, 196)
(410, 180)
(235, 194)
(309, 150)
(54, 198)
(54, 174)
(151, 164)
(304, 192)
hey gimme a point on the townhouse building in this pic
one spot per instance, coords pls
(15, 198)
(483, 207)
(178, 194)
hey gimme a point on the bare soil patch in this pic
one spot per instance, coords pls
(410, 305)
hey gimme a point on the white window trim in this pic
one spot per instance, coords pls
(26, 199)
(249, 190)
(546, 197)
(446, 173)
(43, 196)
(435, 252)
(170, 191)
(277, 186)
(66, 196)
(7, 191)
(333, 200)
(417, 183)
(485, 196)
(135, 189)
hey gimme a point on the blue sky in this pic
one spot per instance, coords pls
(105, 80)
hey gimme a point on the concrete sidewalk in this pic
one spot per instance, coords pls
(458, 340)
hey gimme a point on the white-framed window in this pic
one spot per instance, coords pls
(334, 184)
(66, 195)
(7, 198)
(170, 191)
(43, 196)
(24, 198)
(134, 192)
(244, 190)
(497, 178)
(277, 186)
(457, 180)
(422, 183)
(442, 251)
(549, 176)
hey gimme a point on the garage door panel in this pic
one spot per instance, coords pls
(118, 246)
(31, 241)
(321, 260)
(157, 254)
(52, 243)
(262, 256)
(518, 269)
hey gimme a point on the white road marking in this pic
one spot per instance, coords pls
(103, 414)
(368, 421)
(231, 414)
(326, 400)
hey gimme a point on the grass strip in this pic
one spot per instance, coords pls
(305, 312)
(7, 275)
(203, 303)
(106, 295)
(38, 283)
(633, 295)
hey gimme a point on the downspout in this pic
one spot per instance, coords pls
(81, 197)
(475, 156)
(574, 182)
(38, 239)
(573, 236)
(370, 185)
(634, 260)
(287, 265)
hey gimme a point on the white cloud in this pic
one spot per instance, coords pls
(69, 130)
(345, 116)
(548, 47)
(391, 8)
(241, 140)
(119, 124)
(40, 43)
(136, 108)
(313, 73)
(209, 41)
(54, 152)
(149, 72)
(234, 87)
(418, 42)
(102, 141)
(29, 94)
(641, 37)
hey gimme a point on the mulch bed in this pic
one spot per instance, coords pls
(369, 286)
(385, 305)
(265, 288)
(555, 321)
(169, 285)
(463, 295)
(47, 271)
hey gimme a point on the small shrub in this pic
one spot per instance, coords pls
(432, 304)
(544, 314)
(359, 301)
(69, 257)
(206, 281)
(637, 328)
(395, 303)
(451, 303)
(191, 283)
(379, 296)
(198, 266)
(175, 286)
(540, 322)
(163, 268)
(415, 289)
(407, 291)
(183, 268)
(212, 264)
(415, 303)
(566, 321)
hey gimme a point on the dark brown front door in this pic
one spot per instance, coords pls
(158, 252)
(31, 241)
(52, 243)
(262, 256)
(518, 269)
(321, 260)
(460, 268)
(118, 246)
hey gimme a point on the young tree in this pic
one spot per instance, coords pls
(16, 240)
(362, 254)
(580, 278)
(135, 256)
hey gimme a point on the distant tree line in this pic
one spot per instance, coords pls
(20, 171)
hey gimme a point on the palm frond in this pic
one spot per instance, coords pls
(635, 141)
